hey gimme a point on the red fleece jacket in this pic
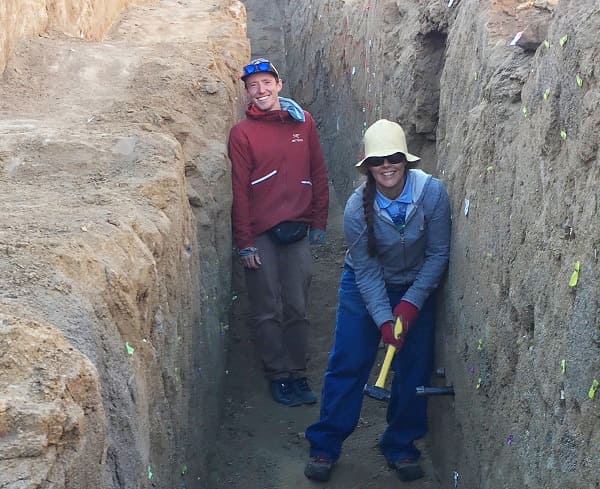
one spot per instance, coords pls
(278, 173)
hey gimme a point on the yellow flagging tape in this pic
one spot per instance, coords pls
(579, 80)
(563, 40)
(593, 388)
(563, 134)
(563, 366)
(479, 344)
(546, 93)
(546, 44)
(129, 348)
(575, 275)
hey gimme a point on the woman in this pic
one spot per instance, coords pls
(397, 229)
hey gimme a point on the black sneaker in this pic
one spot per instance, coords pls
(283, 392)
(407, 470)
(319, 468)
(303, 391)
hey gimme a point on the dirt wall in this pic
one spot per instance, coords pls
(115, 244)
(513, 132)
(525, 157)
(86, 19)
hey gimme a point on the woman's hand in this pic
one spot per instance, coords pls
(407, 312)
(388, 336)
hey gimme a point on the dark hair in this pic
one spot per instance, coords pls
(368, 200)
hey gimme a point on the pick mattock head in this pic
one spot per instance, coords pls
(378, 393)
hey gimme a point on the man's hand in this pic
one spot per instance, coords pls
(407, 312)
(388, 337)
(250, 258)
(316, 236)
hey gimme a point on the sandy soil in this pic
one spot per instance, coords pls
(114, 231)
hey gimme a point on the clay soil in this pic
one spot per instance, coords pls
(261, 444)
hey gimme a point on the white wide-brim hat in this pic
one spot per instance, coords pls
(384, 138)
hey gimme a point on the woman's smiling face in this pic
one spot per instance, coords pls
(389, 177)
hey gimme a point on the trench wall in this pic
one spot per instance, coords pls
(115, 242)
(513, 132)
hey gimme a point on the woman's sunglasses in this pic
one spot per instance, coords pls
(394, 159)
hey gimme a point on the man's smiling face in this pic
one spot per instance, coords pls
(263, 89)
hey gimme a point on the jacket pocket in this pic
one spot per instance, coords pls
(263, 178)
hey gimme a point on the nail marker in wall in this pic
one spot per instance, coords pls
(516, 38)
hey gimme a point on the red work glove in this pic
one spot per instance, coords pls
(407, 312)
(387, 335)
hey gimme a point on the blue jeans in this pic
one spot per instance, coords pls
(351, 359)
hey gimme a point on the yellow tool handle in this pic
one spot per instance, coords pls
(389, 355)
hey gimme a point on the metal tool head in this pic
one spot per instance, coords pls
(378, 393)
(446, 390)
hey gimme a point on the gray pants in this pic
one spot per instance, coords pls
(278, 296)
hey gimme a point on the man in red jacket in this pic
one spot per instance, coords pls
(280, 204)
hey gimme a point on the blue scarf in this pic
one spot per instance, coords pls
(293, 108)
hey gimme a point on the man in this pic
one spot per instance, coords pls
(280, 204)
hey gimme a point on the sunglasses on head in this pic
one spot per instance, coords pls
(257, 67)
(394, 159)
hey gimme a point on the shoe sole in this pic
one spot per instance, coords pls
(303, 400)
(289, 404)
(408, 472)
(315, 476)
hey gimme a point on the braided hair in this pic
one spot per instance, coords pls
(368, 200)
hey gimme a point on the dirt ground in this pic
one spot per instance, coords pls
(261, 444)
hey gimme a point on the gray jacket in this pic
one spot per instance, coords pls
(415, 257)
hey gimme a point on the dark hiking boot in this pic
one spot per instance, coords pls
(283, 392)
(319, 468)
(303, 391)
(407, 469)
